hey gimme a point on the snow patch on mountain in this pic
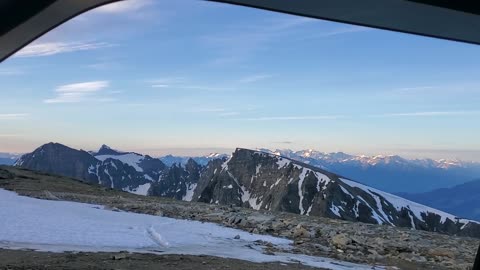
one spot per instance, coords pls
(400, 203)
(131, 159)
(140, 190)
(190, 191)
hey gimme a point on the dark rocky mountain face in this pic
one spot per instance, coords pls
(265, 181)
(120, 170)
(59, 159)
(178, 182)
(251, 179)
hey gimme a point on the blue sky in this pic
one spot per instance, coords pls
(190, 77)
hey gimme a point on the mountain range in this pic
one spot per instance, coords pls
(248, 178)
(8, 158)
(169, 160)
(463, 200)
(390, 173)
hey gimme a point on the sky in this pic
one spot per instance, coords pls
(191, 77)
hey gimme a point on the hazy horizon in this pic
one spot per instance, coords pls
(192, 77)
(434, 154)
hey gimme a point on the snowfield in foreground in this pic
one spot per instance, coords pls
(68, 226)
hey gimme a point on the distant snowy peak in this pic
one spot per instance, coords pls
(130, 159)
(341, 157)
(170, 160)
(214, 155)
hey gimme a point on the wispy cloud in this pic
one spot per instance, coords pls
(341, 31)
(213, 109)
(181, 83)
(13, 116)
(166, 82)
(255, 78)
(385, 115)
(238, 43)
(288, 118)
(9, 135)
(160, 85)
(427, 114)
(229, 113)
(53, 48)
(104, 65)
(77, 92)
(11, 72)
(136, 105)
(414, 89)
(284, 142)
(205, 88)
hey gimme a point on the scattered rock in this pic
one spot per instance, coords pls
(441, 252)
(300, 232)
(119, 256)
(341, 240)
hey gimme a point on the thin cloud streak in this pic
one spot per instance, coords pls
(10, 72)
(83, 87)
(288, 118)
(77, 92)
(229, 114)
(53, 48)
(427, 114)
(13, 116)
(249, 40)
(285, 142)
(255, 78)
(9, 135)
(160, 86)
(386, 115)
(193, 87)
(413, 89)
(345, 30)
(199, 110)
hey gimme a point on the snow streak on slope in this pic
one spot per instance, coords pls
(67, 226)
(399, 203)
(140, 190)
(131, 159)
(190, 190)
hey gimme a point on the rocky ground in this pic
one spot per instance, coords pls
(354, 242)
